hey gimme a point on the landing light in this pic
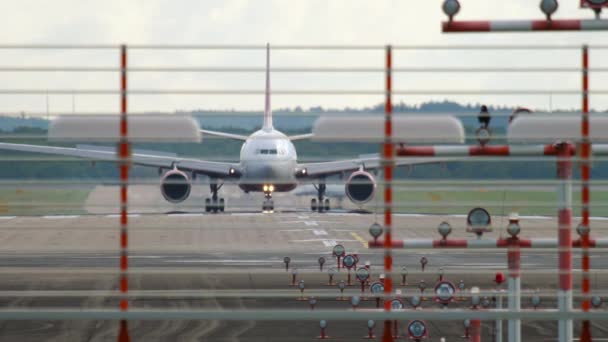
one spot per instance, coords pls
(265, 187)
(271, 188)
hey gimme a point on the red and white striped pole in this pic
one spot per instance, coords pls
(564, 193)
(387, 154)
(514, 286)
(124, 156)
(475, 330)
(585, 196)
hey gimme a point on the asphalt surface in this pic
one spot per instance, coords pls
(234, 261)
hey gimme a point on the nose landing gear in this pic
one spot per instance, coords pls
(268, 205)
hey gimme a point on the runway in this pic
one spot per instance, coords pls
(234, 260)
(181, 257)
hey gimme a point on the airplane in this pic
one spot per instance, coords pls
(268, 164)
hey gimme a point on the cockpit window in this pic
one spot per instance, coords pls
(267, 151)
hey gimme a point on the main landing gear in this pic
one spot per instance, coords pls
(214, 204)
(268, 204)
(320, 203)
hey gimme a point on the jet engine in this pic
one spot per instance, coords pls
(175, 186)
(360, 187)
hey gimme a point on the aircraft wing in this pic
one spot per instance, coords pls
(321, 169)
(217, 169)
(300, 136)
(224, 135)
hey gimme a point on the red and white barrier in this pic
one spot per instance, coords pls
(524, 25)
(492, 150)
(484, 243)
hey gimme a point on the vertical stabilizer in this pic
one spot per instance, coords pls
(267, 111)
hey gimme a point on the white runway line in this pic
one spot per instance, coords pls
(7, 217)
(247, 214)
(311, 223)
(412, 215)
(535, 217)
(316, 240)
(56, 217)
(329, 243)
(204, 261)
(118, 215)
(455, 215)
(186, 215)
(319, 232)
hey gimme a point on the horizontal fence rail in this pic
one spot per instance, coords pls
(179, 232)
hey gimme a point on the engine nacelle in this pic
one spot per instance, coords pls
(360, 187)
(175, 186)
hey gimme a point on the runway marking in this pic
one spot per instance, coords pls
(186, 215)
(7, 217)
(319, 232)
(316, 240)
(310, 223)
(329, 243)
(54, 217)
(536, 217)
(246, 214)
(118, 215)
(202, 261)
(359, 238)
(302, 217)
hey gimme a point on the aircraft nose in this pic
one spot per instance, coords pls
(268, 171)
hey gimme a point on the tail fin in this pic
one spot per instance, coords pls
(267, 111)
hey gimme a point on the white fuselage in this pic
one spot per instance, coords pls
(268, 157)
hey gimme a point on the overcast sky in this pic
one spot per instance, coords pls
(280, 22)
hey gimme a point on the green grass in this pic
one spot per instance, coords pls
(497, 202)
(32, 201)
